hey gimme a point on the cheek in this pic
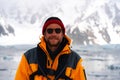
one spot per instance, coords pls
(61, 37)
(46, 35)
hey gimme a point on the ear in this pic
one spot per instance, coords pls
(44, 32)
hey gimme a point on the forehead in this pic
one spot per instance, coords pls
(53, 25)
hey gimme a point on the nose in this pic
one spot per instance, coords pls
(54, 32)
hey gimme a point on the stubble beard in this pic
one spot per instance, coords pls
(50, 44)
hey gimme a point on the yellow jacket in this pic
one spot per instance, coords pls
(66, 65)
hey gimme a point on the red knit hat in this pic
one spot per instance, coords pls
(53, 20)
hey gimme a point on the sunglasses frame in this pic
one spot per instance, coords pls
(57, 30)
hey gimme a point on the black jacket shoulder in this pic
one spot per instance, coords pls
(31, 55)
(73, 59)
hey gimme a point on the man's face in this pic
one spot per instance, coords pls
(53, 35)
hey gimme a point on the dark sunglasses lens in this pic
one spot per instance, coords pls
(50, 31)
(58, 30)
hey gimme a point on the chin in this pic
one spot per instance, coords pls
(54, 44)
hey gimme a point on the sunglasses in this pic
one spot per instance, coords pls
(57, 30)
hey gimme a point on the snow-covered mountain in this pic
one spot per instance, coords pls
(86, 21)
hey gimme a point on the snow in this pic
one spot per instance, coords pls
(24, 34)
(76, 13)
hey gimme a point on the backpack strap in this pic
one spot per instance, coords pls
(33, 75)
(69, 59)
(40, 70)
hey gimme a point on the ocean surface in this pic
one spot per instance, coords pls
(100, 62)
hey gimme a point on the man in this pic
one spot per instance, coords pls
(52, 59)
